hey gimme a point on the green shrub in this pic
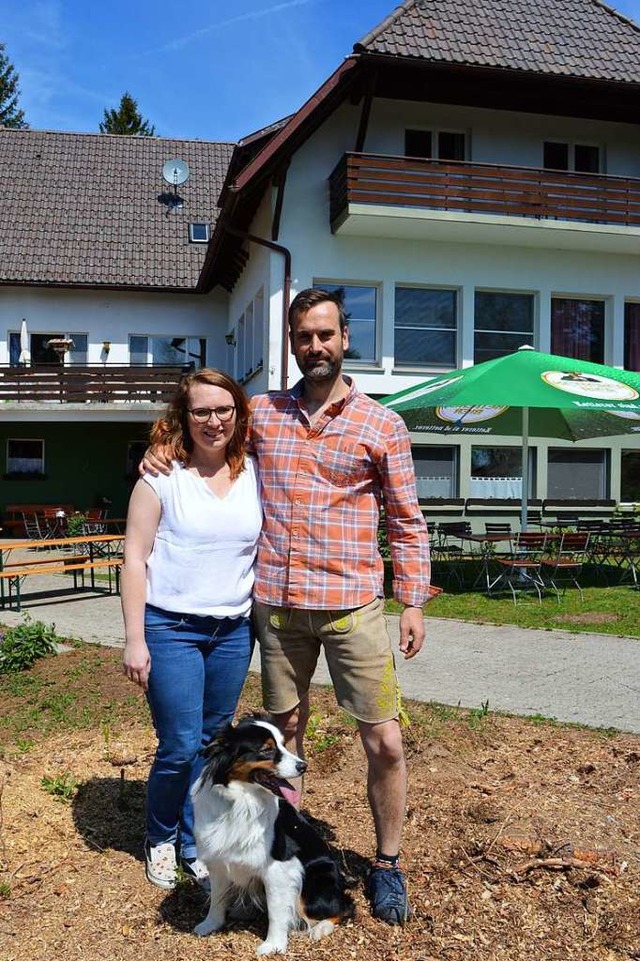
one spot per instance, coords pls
(24, 644)
(75, 524)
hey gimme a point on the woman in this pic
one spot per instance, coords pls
(186, 597)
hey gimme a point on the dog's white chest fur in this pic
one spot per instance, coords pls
(235, 824)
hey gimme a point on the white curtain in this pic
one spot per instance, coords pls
(487, 487)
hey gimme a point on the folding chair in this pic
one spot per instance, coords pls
(450, 549)
(94, 521)
(565, 568)
(498, 528)
(32, 527)
(54, 522)
(521, 571)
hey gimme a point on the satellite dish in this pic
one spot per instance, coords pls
(175, 172)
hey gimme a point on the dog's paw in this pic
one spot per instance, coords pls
(208, 926)
(272, 947)
(321, 930)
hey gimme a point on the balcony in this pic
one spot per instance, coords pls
(77, 384)
(412, 199)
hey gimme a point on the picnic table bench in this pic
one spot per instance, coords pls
(80, 554)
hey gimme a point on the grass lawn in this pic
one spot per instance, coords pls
(604, 610)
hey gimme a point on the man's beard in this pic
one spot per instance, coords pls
(320, 370)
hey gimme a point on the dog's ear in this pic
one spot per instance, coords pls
(215, 743)
(218, 756)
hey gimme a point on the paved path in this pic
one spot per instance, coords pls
(592, 679)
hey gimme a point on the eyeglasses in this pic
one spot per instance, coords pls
(202, 414)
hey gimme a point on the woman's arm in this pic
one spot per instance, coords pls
(142, 523)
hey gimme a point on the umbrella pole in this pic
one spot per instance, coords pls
(525, 469)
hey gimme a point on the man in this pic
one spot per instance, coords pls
(329, 457)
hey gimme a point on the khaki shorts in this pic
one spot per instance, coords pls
(357, 648)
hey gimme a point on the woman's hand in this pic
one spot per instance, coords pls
(136, 663)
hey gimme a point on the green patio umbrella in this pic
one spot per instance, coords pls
(525, 394)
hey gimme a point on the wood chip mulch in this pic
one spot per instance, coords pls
(522, 839)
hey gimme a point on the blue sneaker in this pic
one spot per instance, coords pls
(387, 891)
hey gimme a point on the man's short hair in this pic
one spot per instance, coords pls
(312, 296)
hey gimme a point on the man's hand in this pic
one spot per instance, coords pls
(156, 460)
(412, 631)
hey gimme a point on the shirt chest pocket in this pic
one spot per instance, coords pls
(345, 466)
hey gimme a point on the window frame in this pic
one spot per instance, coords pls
(454, 478)
(435, 134)
(578, 299)
(455, 329)
(13, 346)
(629, 336)
(513, 448)
(571, 156)
(572, 454)
(246, 346)
(529, 337)
(376, 287)
(193, 227)
(25, 473)
(189, 358)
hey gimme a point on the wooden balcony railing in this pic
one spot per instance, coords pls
(483, 188)
(81, 384)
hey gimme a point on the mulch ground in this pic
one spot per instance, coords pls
(522, 838)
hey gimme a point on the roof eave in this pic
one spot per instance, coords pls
(300, 126)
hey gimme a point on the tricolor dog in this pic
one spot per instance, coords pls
(254, 843)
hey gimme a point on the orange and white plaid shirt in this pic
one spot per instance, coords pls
(322, 487)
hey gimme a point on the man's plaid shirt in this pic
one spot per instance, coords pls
(322, 488)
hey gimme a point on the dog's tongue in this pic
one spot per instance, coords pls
(290, 793)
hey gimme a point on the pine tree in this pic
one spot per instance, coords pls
(127, 119)
(10, 116)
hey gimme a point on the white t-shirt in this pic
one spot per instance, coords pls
(205, 546)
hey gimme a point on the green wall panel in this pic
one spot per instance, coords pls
(83, 462)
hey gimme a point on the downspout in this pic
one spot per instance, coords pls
(286, 293)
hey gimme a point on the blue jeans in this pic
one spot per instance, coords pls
(198, 667)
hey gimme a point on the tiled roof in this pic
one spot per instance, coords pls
(577, 38)
(87, 209)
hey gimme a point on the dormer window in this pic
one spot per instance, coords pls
(199, 233)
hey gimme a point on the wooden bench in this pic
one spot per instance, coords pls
(13, 522)
(14, 572)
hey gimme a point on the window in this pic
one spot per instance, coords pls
(583, 158)
(425, 327)
(42, 354)
(78, 353)
(437, 144)
(436, 471)
(577, 329)
(497, 472)
(503, 322)
(249, 356)
(361, 305)
(581, 474)
(630, 477)
(25, 457)
(632, 336)
(199, 233)
(158, 349)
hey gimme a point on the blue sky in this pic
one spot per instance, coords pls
(207, 69)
